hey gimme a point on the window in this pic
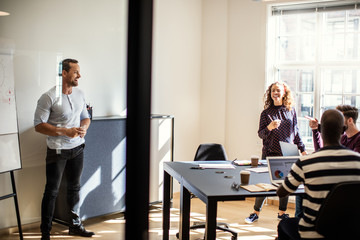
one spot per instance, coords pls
(315, 49)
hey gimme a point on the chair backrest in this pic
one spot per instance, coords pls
(210, 151)
(339, 215)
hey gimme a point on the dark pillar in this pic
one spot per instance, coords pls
(138, 119)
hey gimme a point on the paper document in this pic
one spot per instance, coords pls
(244, 162)
(217, 165)
(258, 169)
(260, 187)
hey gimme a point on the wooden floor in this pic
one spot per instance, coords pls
(112, 227)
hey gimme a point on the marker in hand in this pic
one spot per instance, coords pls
(274, 123)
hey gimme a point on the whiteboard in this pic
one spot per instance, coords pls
(9, 152)
(8, 121)
(9, 138)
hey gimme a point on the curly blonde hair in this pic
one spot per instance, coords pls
(288, 100)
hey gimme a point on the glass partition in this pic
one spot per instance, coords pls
(36, 35)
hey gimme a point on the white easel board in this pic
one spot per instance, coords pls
(9, 138)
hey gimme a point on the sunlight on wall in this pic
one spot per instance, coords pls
(161, 152)
(91, 184)
(123, 112)
(118, 163)
(164, 130)
(166, 158)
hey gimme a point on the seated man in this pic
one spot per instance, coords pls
(349, 139)
(315, 170)
(351, 136)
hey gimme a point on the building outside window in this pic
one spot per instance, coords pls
(315, 49)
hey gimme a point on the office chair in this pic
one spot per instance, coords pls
(211, 152)
(338, 217)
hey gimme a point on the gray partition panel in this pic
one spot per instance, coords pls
(103, 178)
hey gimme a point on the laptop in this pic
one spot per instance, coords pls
(279, 168)
(289, 149)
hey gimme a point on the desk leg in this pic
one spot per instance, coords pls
(211, 212)
(166, 206)
(184, 213)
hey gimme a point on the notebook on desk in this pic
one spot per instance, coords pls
(279, 168)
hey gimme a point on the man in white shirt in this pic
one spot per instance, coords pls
(61, 114)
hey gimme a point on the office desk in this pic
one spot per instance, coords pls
(210, 187)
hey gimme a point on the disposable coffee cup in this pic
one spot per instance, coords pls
(254, 161)
(244, 177)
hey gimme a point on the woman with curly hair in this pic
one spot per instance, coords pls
(278, 122)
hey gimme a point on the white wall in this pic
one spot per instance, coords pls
(233, 74)
(246, 76)
(177, 70)
(214, 71)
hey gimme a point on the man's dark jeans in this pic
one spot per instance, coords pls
(69, 162)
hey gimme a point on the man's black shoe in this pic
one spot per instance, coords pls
(80, 231)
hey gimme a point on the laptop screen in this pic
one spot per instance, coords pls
(289, 149)
(279, 167)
